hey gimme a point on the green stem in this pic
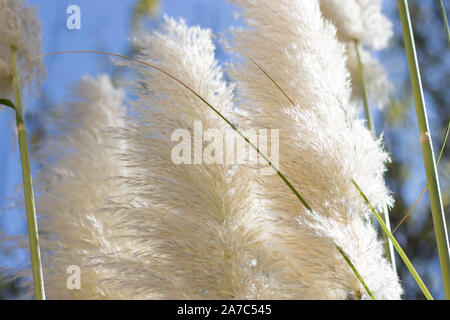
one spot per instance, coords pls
(347, 259)
(7, 103)
(444, 18)
(388, 243)
(399, 249)
(437, 209)
(444, 142)
(27, 185)
(426, 186)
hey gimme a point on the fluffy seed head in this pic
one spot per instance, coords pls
(376, 82)
(19, 30)
(75, 183)
(360, 20)
(323, 146)
(192, 225)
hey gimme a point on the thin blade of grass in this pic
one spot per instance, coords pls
(269, 162)
(273, 81)
(437, 208)
(411, 209)
(444, 142)
(356, 272)
(444, 19)
(8, 103)
(397, 246)
(426, 186)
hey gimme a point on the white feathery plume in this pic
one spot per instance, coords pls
(192, 225)
(362, 21)
(20, 29)
(75, 181)
(323, 146)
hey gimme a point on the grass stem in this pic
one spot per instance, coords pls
(346, 258)
(389, 247)
(426, 186)
(397, 246)
(437, 209)
(27, 184)
(444, 19)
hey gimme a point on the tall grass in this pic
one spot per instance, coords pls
(437, 209)
(246, 139)
(279, 173)
(27, 184)
(425, 140)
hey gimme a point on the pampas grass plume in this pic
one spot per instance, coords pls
(362, 21)
(192, 225)
(323, 145)
(76, 180)
(19, 29)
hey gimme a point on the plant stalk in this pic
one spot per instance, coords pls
(347, 259)
(444, 19)
(389, 247)
(27, 184)
(426, 186)
(399, 249)
(437, 209)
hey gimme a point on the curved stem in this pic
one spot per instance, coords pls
(347, 259)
